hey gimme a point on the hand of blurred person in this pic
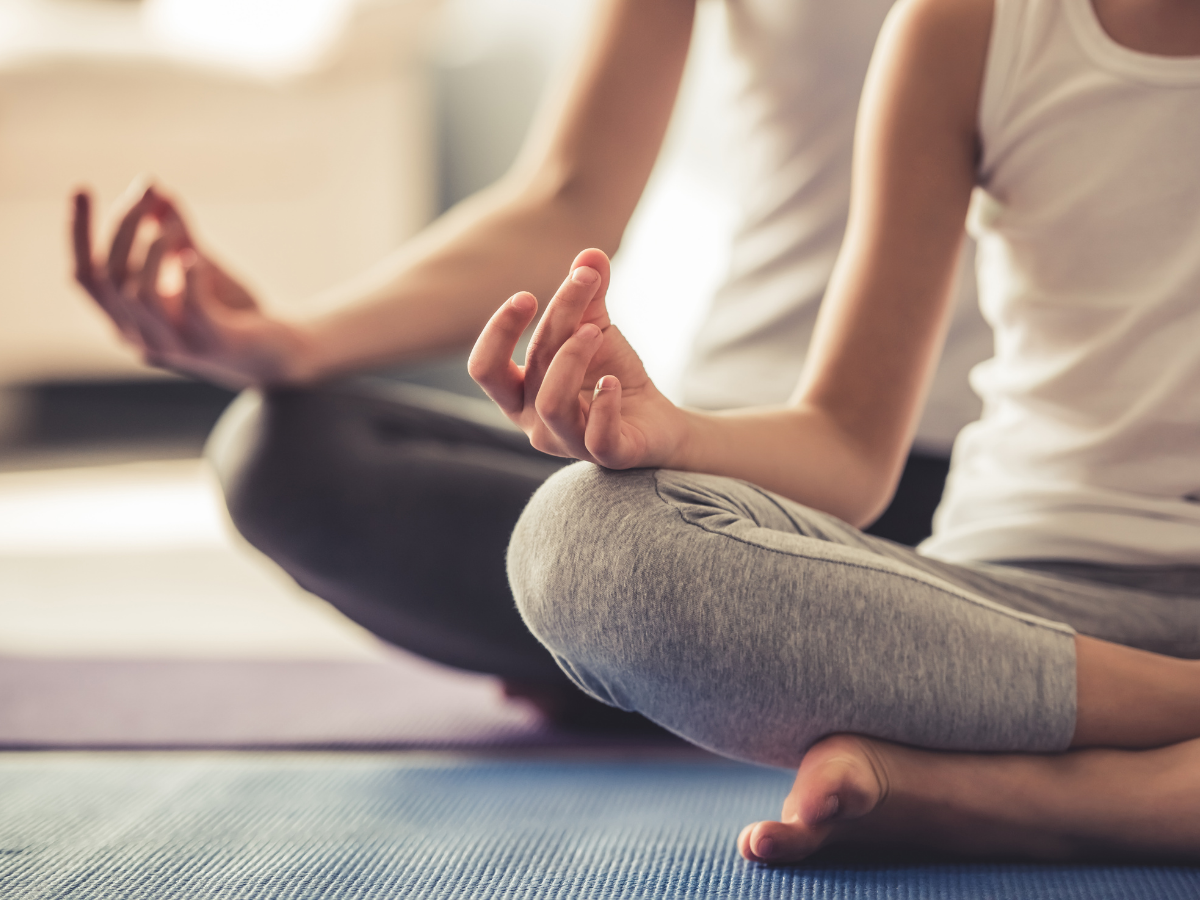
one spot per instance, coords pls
(574, 185)
(176, 306)
(583, 391)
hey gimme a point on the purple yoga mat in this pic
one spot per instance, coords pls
(401, 701)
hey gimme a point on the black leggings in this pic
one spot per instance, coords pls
(395, 503)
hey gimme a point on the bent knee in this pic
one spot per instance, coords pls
(586, 566)
(267, 452)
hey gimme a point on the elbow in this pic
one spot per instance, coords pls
(861, 458)
(864, 514)
(875, 478)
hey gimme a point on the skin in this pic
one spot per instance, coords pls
(1131, 783)
(851, 423)
(584, 393)
(1160, 27)
(576, 183)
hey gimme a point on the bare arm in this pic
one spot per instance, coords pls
(576, 183)
(841, 443)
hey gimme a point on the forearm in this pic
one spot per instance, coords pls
(575, 185)
(435, 293)
(841, 445)
(800, 452)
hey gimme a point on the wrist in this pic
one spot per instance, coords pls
(688, 437)
(301, 360)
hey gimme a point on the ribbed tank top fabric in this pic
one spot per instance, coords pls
(1088, 227)
(797, 69)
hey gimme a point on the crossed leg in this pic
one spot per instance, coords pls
(758, 628)
(1075, 805)
(1108, 797)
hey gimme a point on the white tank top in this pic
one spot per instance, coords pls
(1088, 222)
(800, 66)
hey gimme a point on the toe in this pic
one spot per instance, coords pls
(743, 843)
(837, 785)
(837, 780)
(779, 842)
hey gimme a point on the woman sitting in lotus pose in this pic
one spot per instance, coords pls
(1026, 682)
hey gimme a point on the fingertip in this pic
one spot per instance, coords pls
(743, 844)
(761, 843)
(755, 844)
(593, 258)
(588, 332)
(604, 438)
(148, 180)
(585, 275)
(524, 303)
(161, 207)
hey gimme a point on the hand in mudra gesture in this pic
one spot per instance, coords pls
(203, 324)
(583, 391)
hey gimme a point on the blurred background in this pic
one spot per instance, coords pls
(306, 138)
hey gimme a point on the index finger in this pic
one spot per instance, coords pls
(81, 240)
(564, 314)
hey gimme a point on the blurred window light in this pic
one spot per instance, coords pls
(673, 257)
(270, 36)
(36, 29)
(141, 506)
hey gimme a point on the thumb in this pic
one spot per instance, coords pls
(603, 433)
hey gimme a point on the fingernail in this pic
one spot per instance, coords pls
(607, 383)
(585, 275)
(521, 302)
(765, 847)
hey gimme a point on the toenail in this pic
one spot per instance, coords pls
(765, 847)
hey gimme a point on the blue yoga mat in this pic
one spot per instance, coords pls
(204, 827)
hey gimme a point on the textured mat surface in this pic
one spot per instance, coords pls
(219, 828)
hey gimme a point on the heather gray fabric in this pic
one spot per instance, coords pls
(753, 626)
(395, 502)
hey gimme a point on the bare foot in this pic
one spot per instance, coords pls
(842, 779)
(1082, 804)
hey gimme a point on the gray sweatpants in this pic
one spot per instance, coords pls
(753, 626)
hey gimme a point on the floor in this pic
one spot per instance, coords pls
(114, 542)
(132, 618)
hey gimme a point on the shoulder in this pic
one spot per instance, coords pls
(940, 34)
(939, 48)
(939, 20)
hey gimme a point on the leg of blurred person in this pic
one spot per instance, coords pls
(394, 502)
